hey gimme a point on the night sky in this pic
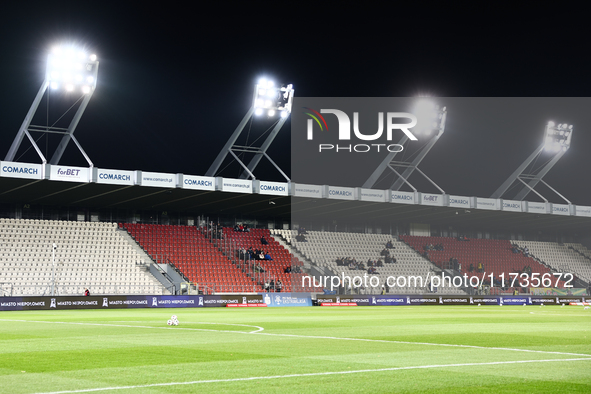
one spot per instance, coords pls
(174, 82)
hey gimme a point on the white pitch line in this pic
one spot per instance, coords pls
(310, 337)
(252, 378)
(191, 322)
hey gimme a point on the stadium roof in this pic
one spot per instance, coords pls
(106, 196)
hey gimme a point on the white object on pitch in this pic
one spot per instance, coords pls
(169, 322)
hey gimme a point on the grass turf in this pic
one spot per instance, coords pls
(80, 350)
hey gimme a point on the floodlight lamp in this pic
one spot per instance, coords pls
(283, 114)
(269, 97)
(71, 68)
(271, 112)
(558, 137)
(428, 116)
(258, 112)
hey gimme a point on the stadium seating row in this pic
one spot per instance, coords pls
(88, 255)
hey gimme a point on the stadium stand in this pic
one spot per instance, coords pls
(212, 261)
(281, 258)
(91, 255)
(324, 248)
(496, 256)
(570, 257)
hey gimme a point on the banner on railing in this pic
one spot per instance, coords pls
(267, 299)
(287, 299)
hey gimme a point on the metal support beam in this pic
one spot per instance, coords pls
(263, 150)
(373, 178)
(26, 123)
(57, 155)
(538, 177)
(214, 168)
(505, 186)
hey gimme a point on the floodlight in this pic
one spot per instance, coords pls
(428, 117)
(62, 61)
(268, 98)
(557, 140)
(430, 127)
(71, 69)
(557, 137)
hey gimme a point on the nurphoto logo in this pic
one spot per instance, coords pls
(393, 120)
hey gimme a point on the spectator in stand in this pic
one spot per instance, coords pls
(471, 268)
(287, 270)
(389, 245)
(86, 292)
(480, 267)
(264, 241)
(301, 238)
(385, 252)
(526, 251)
(379, 263)
(279, 285)
(272, 285)
(268, 256)
(250, 253)
(267, 286)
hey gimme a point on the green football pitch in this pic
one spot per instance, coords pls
(463, 349)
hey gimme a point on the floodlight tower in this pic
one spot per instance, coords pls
(431, 125)
(73, 71)
(270, 101)
(557, 139)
